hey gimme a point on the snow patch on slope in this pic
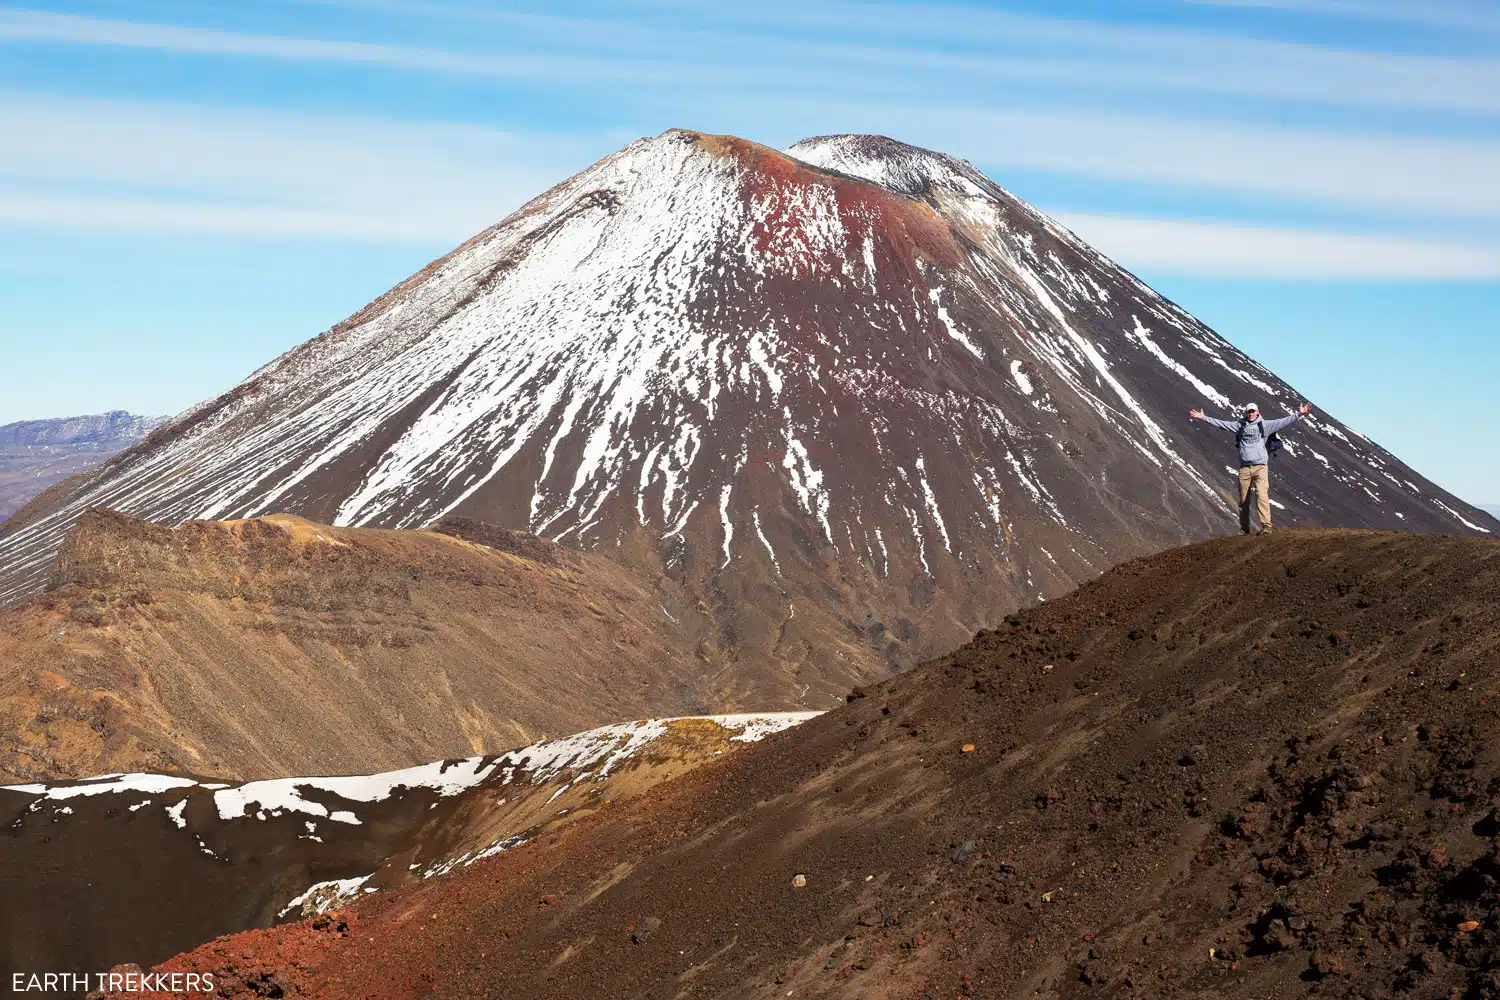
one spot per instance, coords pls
(596, 752)
(106, 784)
(953, 331)
(1021, 379)
(1143, 337)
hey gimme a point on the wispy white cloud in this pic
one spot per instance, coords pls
(968, 40)
(1219, 249)
(74, 29)
(880, 47)
(161, 216)
(1429, 13)
(119, 167)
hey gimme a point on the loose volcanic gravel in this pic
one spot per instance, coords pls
(1255, 767)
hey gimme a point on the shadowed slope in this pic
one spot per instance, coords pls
(134, 867)
(1253, 766)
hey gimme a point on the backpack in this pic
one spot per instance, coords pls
(1273, 443)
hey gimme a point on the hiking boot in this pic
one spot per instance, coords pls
(1265, 529)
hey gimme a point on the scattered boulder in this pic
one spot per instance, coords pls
(644, 929)
(86, 614)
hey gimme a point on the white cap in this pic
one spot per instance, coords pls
(1248, 407)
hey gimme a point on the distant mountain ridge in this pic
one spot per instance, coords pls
(1490, 508)
(114, 427)
(35, 454)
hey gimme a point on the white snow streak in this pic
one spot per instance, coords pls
(1021, 380)
(1143, 336)
(766, 542)
(338, 892)
(953, 330)
(724, 518)
(932, 504)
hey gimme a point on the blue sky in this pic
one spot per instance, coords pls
(189, 188)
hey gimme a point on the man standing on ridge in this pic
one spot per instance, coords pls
(1253, 436)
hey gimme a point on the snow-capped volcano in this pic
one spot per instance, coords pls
(855, 397)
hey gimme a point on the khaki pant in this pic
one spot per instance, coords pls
(1259, 477)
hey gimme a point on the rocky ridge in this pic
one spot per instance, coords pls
(274, 646)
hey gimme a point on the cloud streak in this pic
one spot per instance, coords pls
(73, 29)
(874, 49)
(168, 168)
(119, 167)
(968, 40)
(1217, 249)
(1465, 17)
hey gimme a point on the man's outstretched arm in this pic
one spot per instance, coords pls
(1272, 426)
(1228, 425)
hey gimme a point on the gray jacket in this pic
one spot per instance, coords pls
(1253, 441)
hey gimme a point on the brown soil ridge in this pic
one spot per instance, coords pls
(274, 646)
(1251, 767)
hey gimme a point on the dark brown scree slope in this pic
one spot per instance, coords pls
(1252, 767)
(133, 870)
